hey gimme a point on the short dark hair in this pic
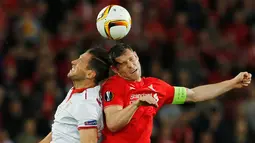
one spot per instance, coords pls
(116, 51)
(99, 63)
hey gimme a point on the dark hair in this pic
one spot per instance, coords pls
(99, 63)
(116, 51)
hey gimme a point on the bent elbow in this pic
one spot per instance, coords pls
(112, 127)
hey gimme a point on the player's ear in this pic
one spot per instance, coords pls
(91, 74)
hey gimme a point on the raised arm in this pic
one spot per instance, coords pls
(210, 91)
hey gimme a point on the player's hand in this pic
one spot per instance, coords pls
(147, 100)
(243, 79)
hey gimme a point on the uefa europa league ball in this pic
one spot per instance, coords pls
(113, 22)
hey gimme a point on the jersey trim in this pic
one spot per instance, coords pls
(180, 94)
(79, 90)
(87, 127)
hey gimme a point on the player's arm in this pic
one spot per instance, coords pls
(88, 135)
(47, 139)
(88, 114)
(118, 117)
(206, 92)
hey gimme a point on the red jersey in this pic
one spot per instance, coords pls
(118, 91)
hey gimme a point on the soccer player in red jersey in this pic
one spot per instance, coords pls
(131, 101)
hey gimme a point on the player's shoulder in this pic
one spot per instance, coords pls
(89, 95)
(94, 90)
(114, 80)
(153, 80)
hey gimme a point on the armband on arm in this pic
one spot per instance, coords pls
(180, 94)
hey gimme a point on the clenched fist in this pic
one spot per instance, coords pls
(243, 79)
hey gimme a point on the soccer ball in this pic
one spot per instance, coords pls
(113, 22)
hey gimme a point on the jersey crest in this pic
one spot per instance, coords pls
(108, 96)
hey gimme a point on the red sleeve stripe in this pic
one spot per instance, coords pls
(88, 127)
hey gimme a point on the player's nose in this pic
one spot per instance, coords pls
(130, 65)
(73, 62)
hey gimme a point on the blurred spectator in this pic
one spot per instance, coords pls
(206, 137)
(14, 118)
(29, 27)
(29, 133)
(181, 30)
(26, 98)
(2, 99)
(238, 30)
(4, 137)
(248, 108)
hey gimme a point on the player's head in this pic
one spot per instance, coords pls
(92, 65)
(125, 61)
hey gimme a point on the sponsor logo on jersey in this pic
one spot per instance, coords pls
(108, 96)
(135, 97)
(131, 88)
(151, 88)
(90, 123)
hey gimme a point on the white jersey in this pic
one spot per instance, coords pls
(81, 109)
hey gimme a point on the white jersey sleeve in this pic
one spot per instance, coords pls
(87, 113)
(80, 110)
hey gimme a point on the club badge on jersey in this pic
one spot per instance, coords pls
(108, 96)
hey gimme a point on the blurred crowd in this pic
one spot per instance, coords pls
(184, 42)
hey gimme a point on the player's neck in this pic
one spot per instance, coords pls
(83, 84)
(132, 80)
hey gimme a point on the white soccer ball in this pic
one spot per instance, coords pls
(113, 22)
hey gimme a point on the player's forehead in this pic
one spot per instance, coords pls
(85, 57)
(127, 54)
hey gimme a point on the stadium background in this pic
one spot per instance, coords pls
(184, 42)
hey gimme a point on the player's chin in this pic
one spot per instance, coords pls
(70, 74)
(135, 76)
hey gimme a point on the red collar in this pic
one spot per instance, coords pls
(78, 90)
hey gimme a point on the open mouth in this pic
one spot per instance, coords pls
(73, 68)
(134, 71)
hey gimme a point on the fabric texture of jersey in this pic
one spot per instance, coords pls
(117, 91)
(80, 109)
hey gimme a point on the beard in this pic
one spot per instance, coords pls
(76, 76)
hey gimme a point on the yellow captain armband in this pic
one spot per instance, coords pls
(180, 94)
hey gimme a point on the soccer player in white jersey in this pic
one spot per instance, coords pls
(79, 117)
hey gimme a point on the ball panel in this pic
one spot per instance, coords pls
(107, 29)
(104, 13)
(118, 13)
(100, 28)
(114, 22)
(118, 32)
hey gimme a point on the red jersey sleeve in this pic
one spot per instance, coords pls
(112, 93)
(167, 91)
(173, 94)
